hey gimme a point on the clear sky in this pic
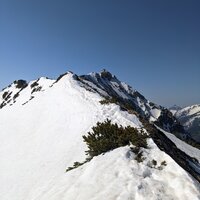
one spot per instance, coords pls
(154, 45)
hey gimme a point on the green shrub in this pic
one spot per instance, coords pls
(154, 162)
(76, 164)
(164, 163)
(139, 154)
(107, 136)
(109, 100)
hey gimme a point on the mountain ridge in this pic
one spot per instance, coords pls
(108, 86)
(42, 136)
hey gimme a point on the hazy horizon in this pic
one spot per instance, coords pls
(154, 46)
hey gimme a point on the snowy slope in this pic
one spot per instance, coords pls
(20, 92)
(41, 137)
(120, 177)
(190, 119)
(108, 85)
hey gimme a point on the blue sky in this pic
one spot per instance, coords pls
(154, 45)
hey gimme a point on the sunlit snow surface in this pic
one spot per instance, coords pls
(117, 175)
(40, 139)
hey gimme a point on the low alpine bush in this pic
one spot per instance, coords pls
(106, 136)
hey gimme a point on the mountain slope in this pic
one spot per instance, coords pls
(189, 117)
(40, 137)
(110, 87)
(121, 177)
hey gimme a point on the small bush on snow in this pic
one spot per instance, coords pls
(109, 100)
(107, 136)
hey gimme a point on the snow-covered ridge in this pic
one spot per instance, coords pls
(41, 138)
(20, 92)
(190, 111)
(108, 85)
(104, 83)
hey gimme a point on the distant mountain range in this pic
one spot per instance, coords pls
(189, 117)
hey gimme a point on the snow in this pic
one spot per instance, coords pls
(12, 88)
(155, 113)
(190, 110)
(189, 117)
(26, 94)
(188, 149)
(188, 114)
(102, 92)
(40, 139)
(121, 177)
(173, 111)
(116, 88)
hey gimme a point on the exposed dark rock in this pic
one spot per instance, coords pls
(2, 105)
(104, 81)
(15, 96)
(137, 94)
(168, 122)
(36, 89)
(185, 161)
(105, 74)
(35, 84)
(20, 84)
(6, 95)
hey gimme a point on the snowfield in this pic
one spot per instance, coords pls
(41, 138)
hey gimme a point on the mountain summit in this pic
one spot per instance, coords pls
(41, 127)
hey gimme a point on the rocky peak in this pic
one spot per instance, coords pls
(106, 74)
